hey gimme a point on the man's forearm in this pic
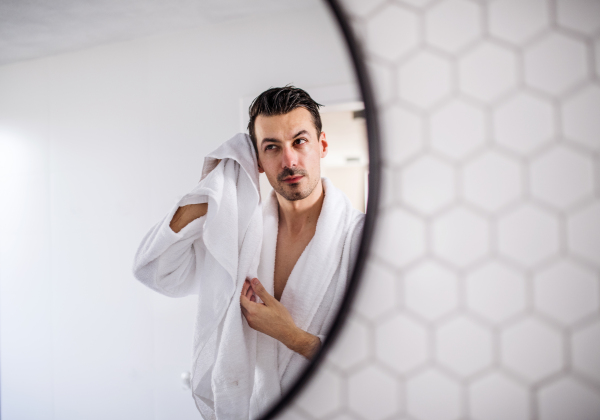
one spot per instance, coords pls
(304, 343)
(184, 215)
(271, 318)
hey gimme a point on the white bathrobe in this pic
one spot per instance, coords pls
(238, 373)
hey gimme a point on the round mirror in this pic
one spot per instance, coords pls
(116, 121)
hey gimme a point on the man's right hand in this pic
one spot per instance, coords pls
(186, 214)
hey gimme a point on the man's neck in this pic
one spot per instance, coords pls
(295, 216)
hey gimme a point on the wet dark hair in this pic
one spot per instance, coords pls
(278, 101)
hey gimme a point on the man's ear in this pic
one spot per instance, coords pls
(260, 168)
(324, 145)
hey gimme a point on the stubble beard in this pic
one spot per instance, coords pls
(294, 192)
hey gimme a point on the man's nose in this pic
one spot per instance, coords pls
(289, 159)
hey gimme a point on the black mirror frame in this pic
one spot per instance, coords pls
(360, 68)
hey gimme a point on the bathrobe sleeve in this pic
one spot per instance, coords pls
(168, 262)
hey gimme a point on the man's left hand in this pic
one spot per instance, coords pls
(273, 319)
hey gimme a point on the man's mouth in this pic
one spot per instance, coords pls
(292, 179)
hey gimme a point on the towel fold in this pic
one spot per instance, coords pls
(238, 373)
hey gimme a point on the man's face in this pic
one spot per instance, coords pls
(289, 152)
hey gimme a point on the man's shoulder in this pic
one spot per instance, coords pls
(356, 216)
(353, 221)
(353, 217)
(358, 219)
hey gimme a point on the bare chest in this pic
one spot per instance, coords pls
(287, 253)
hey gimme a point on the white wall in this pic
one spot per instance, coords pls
(481, 299)
(95, 146)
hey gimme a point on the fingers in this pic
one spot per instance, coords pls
(261, 291)
(245, 287)
(245, 303)
(248, 292)
(251, 310)
(245, 295)
(248, 298)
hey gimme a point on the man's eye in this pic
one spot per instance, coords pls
(304, 140)
(269, 146)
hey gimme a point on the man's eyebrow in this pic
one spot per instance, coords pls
(269, 140)
(301, 132)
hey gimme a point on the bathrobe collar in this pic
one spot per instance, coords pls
(316, 266)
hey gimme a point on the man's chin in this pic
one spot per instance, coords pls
(292, 192)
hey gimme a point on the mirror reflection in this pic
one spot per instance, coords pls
(268, 269)
(186, 206)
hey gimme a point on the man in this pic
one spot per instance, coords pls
(314, 240)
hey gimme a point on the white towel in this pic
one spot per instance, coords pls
(238, 373)
(211, 257)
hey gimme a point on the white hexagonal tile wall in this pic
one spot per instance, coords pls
(452, 24)
(585, 348)
(463, 346)
(424, 79)
(555, 64)
(457, 129)
(517, 20)
(427, 184)
(566, 292)
(401, 343)
(430, 290)
(387, 187)
(561, 176)
(579, 15)
(523, 123)
(496, 397)
(584, 232)
(403, 131)
(568, 399)
(435, 100)
(403, 239)
(597, 55)
(361, 7)
(580, 117)
(324, 394)
(460, 236)
(487, 71)
(343, 417)
(491, 181)
(528, 235)
(377, 292)
(392, 32)
(417, 3)
(373, 394)
(381, 77)
(433, 396)
(352, 346)
(496, 291)
(531, 349)
(291, 413)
